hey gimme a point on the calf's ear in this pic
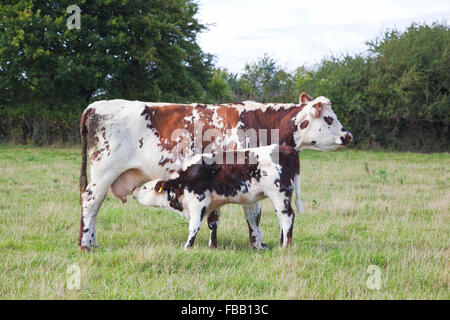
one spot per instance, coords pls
(304, 98)
(159, 186)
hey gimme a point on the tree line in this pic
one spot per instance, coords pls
(394, 95)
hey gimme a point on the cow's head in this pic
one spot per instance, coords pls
(318, 127)
(152, 194)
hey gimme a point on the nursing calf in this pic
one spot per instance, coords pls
(204, 184)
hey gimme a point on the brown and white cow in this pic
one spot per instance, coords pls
(204, 184)
(132, 142)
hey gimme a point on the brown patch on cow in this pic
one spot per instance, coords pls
(96, 155)
(280, 118)
(229, 117)
(164, 120)
(328, 120)
(304, 124)
(92, 123)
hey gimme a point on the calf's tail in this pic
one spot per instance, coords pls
(298, 202)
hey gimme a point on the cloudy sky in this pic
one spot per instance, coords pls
(297, 32)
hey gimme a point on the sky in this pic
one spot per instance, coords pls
(297, 33)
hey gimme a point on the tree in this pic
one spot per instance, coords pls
(218, 88)
(132, 49)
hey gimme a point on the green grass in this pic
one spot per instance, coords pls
(361, 208)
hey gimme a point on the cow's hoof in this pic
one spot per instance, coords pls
(85, 249)
(259, 246)
(213, 246)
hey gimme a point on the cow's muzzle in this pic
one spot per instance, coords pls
(346, 139)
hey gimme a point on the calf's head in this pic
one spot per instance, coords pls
(318, 127)
(152, 194)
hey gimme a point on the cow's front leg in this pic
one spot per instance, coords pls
(196, 218)
(213, 223)
(252, 214)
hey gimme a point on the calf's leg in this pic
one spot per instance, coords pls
(286, 217)
(213, 223)
(195, 221)
(252, 214)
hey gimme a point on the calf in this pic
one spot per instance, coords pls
(203, 185)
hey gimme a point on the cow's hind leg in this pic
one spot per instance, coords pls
(286, 217)
(213, 223)
(253, 215)
(91, 201)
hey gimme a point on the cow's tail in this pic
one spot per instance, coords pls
(298, 202)
(83, 134)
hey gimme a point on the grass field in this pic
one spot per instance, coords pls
(391, 210)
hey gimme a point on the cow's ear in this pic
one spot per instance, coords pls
(316, 109)
(159, 186)
(304, 98)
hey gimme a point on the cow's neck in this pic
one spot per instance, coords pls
(281, 118)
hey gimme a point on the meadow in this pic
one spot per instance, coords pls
(364, 211)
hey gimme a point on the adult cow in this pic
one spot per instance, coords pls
(132, 142)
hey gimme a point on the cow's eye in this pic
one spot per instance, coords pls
(145, 188)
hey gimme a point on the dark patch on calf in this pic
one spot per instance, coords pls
(290, 167)
(201, 197)
(202, 214)
(252, 236)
